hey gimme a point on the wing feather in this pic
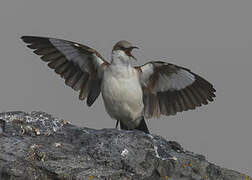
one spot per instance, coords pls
(175, 88)
(76, 63)
(72, 80)
(57, 62)
(84, 90)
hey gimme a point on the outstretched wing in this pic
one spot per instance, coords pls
(169, 89)
(78, 64)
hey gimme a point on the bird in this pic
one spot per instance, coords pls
(131, 94)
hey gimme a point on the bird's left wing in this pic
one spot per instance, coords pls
(78, 64)
(169, 89)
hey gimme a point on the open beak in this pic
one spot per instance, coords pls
(129, 52)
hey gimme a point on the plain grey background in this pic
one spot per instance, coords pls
(212, 38)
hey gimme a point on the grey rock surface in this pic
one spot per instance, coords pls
(37, 146)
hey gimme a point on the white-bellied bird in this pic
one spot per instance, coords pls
(130, 93)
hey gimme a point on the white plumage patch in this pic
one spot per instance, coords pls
(175, 81)
(122, 94)
(73, 54)
(148, 70)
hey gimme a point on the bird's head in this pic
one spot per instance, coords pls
(123, 50)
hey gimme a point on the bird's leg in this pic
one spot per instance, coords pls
(2, 126)
(117, 123)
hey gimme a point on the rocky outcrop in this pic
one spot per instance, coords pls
(38, 146)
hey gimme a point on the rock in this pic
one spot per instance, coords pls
(38, 146)
(2, 126)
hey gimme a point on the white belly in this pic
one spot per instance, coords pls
(123, 96)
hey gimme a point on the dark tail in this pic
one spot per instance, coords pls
(141, 127)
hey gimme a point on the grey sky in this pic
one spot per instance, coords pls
(212, 38)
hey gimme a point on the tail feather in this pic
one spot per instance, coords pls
(141, 127)
(123, 126)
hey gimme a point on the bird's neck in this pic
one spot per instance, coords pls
(120, 58)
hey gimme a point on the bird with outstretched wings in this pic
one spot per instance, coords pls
(130, 93)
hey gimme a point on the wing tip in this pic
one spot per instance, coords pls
(27, 39)
(24, 38)
(32, 39)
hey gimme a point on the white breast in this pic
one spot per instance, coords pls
(122, 94)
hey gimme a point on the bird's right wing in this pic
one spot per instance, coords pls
(78, 64)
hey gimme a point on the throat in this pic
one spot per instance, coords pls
(120, 58)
